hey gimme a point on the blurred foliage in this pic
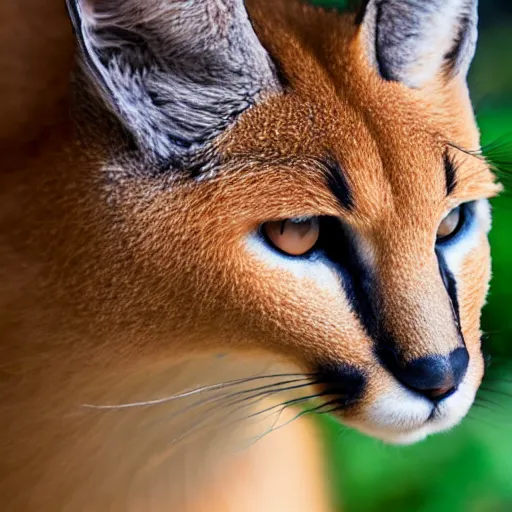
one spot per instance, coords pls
(470, 468)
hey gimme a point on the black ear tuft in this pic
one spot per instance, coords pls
(359, 7)
(176, 73)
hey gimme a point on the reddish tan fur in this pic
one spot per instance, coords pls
(37, 52)
(109, 282)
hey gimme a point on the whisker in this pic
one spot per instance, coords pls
(496, 391)
(315, 410)
(267, 393)
(222, 403)
(336, 407)
(260, 391)
(477, 153)
(293, 401)
(209, 415)
(245, 404)
(296, 417)
(496, 154)
(488, 423)
(212, 387)
(489, 380)
(480, 399)
(478, 405)
(248, 401)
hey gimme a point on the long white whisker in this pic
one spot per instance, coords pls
(246, 397)
(231, 400)
(189, 393)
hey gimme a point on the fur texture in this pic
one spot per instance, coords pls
(412, 41)
(117, 281)
(174, 93)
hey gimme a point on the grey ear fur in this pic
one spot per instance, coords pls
(175, 72)
(413, 41)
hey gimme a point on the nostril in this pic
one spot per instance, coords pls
(440, 393)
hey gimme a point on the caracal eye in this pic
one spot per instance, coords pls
(292, 236)
(449, 225)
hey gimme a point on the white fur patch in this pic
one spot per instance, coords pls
(409, 40)
(456, 252)
(400, 416)
(316, 270)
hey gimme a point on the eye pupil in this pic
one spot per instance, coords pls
(294, 237)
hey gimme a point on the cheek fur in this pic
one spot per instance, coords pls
(469, 262)
(315, 269)
(474, 276)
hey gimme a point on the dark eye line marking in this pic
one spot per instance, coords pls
(358, 279)
(451, 288)
(450, 168)
(362, 289)
(337, 182)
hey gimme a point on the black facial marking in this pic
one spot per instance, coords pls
(362, 290)
(344, 382)
(356, 277)
(459, 361)
(195, 169)
(382, 67)
(451, 287)
(424, 373)
(337, 182)
(451, 173)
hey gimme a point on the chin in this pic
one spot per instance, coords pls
(401, 417)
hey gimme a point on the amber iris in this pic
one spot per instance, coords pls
(449, 224)
(295, 237)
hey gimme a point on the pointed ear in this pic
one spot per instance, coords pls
(414, 41)
(176, 72)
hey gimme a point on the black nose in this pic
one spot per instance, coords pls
(435, 377)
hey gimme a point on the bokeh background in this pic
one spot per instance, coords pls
(470, 468)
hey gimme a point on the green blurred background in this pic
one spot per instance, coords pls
(470, 468)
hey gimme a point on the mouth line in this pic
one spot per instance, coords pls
(433, 414)
(401, 416)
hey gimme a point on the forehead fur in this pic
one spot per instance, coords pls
(335, 101)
